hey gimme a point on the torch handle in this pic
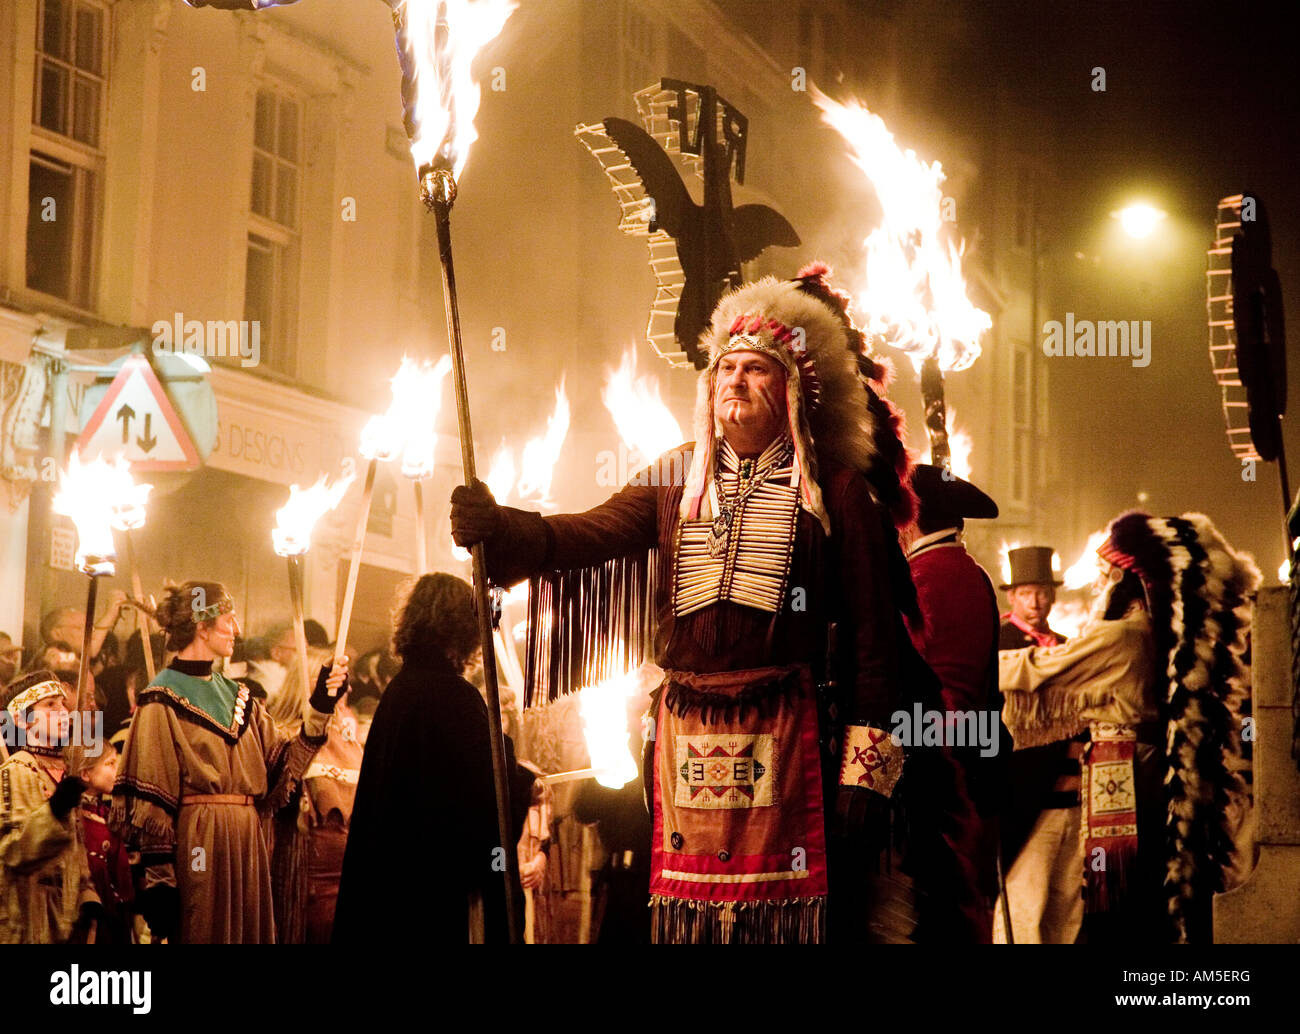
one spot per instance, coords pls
(936, 412)
(142, 623)
(421, 540)
(482, 606)
(77, 750)
(354, 566)
(299, 629)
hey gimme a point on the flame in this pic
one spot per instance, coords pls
(644, 422)
(295, 520)
(99, 496)
(1087, 569)
(437, 41)
(603, 708)
(960, 447)
(914, 294)
(1284, 571)
(381, 438)
(541, 454)
(501, 475)
(1004, 554)
(407, 426)
(1068, 617)
(417, 398)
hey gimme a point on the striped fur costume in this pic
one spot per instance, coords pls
(1198, 591)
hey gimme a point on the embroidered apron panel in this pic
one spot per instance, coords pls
(728, 770)
(738, 799)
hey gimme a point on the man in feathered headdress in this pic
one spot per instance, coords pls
(1157, 677)
(766, 724)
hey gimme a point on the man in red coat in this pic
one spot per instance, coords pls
(957, 634)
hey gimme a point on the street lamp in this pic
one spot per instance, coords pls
(1138, 220)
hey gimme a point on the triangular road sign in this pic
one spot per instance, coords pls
(135, 419)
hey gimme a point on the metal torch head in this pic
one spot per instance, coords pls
(437, 186)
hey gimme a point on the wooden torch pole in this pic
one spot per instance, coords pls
(438, 190)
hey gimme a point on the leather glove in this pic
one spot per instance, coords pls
(475, 515)
(91, 912)
(160, 907)
(66, 796)
(863, 813)
(321, 699)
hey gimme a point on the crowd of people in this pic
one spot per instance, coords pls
(829, 739)
(215, 805)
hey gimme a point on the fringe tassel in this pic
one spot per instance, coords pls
(129, 813)
(681, 700)
(677, 921)
(588, 624)
(1046, 715)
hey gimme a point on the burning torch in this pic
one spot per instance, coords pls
(97, 496)
(914, 296)
(436, 44)
(291, 538)
(381, 440)
(417, 393)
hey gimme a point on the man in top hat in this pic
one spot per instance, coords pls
(1031, 591)
(957, 634)
(1040, 828)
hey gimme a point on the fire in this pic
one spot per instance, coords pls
(541, 454)
(295, 520)
(501, 475)
(603, 708)
(1068, 617)
(644, 422)
(381, 438)
(99, 496)
(437, 41)
(1087, 569)
(960, 447)
(913, 294)
(417, 398)
(407, 426)
(1004, 554)
(1284, 571)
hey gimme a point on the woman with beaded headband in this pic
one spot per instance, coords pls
(202, 765)
(772, 752)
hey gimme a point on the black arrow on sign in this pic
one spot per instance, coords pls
(148, 441)
(126, 414)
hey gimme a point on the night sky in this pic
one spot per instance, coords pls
(1201, 101)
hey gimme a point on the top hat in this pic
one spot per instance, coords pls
(945, 498)
(1031, 565)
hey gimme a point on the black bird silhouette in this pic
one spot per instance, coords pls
(713, 238)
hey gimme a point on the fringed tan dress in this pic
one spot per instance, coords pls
(192, 792)
(43, 874)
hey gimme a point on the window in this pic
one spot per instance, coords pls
(69, 99)
(275, 158)
(70, 72)
(270, 273)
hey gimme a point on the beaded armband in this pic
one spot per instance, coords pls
(870, 760)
